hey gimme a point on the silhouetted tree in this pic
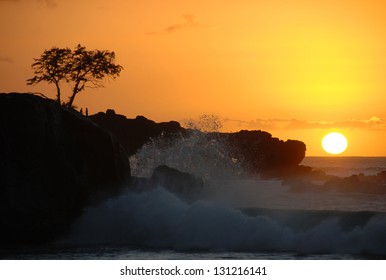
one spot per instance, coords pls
(81, 68)
(90, 68)
(52, 67)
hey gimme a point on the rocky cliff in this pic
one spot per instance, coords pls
(53, 162)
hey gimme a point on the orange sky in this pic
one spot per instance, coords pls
(297, 69)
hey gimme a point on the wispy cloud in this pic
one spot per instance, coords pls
(188, 21)
(374, 123)
(49, 3)
(5, 59)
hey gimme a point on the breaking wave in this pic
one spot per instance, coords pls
(236, 213)
(157, 219)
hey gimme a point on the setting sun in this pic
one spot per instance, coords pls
(334, 143)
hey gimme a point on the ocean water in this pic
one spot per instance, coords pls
(239, 217)
(346, 166)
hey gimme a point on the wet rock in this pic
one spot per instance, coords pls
(184, 185)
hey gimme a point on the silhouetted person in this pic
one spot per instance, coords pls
(81, 111)
(86, 112)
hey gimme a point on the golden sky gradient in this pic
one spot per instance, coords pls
(297, 69)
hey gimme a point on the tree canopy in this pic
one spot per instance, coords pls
(80, 68)
(52, 67)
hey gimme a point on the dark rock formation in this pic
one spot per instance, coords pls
(260, 153)
(134, 133)
(52, 163)
(184, 185)
(140, 184)
(257, 151)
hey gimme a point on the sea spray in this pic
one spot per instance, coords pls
(198, 153)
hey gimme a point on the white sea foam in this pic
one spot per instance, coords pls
(158, 219)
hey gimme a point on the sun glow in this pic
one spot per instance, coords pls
(334, 143)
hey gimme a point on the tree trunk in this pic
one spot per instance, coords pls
(71, 100)
(58, 94)
(75, 90)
